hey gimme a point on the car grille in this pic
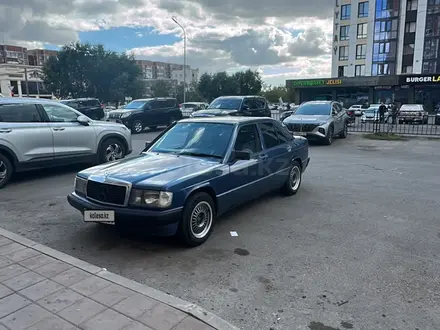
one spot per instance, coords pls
(106, 193)
(301, 127)
(114, 116)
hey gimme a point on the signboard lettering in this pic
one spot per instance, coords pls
(316, 82)
(423, 79)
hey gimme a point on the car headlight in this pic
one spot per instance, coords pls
(80, 185)
(151, 198)
(125, 115)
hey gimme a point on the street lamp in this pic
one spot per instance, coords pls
(184, 57)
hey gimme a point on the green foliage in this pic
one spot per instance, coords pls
(211, 86)
(85, 70)
(273, 94)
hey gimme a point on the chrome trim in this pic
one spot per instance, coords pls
(111, 181)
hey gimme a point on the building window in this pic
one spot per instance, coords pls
(345, 32)
(387, 8)
(362, 30)
(383, 69)
(432, 26)
(408, 49)
(343, 53)
(410, 27)
(345, 12)
(407, 69)
(342, 71)
(429, 67)
(411, 5)
(359, 70)
(381, 47)
(363, 9)
(431, 48)
(386, 29)
(361, 52)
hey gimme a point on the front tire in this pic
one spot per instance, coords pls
(6, 170)
(344, 132)
(198, 220)
(329, 137)
(111, 150)
(293, 181)
(137, 127)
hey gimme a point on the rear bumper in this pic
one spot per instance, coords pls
(156, 221)
(305, 164)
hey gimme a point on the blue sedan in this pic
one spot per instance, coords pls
(193, 172)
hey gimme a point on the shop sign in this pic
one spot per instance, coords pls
(422, 79)
(315, 82)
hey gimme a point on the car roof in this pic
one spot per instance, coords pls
(318, 102)
(226, 120)
(238, 96)
(30, 100)
(81, 99)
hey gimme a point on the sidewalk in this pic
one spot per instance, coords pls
(44, 289)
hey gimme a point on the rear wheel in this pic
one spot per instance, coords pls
(293, 181)
(6, 170)
(197, 220)
(111, 149)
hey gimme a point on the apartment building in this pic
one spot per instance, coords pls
(170, 71)
(13, 54)
(37, 57)
(386, 37)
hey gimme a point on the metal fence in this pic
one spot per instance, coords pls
(430, 128)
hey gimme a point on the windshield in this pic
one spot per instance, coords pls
(134, 105)
(314, 109)
(226, 103)
(196, 139)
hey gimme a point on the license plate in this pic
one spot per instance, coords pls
(299, 133)
(99, 216)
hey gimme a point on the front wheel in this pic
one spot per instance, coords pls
(6, 170)
(137, 127)
(293, 181)
(197, 220)
(111, 149)
(329, 137)
(344, 132)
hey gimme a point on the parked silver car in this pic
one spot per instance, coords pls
(37, 133)
(319, 120)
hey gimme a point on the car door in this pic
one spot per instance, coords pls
(170, 111)
(244, 179)
(260, 107)
(151, 113)
(275, 156)
(70, 138)
(25, 132)
(337, 115)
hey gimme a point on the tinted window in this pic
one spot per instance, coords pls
(90, 103)
(72, 104)
(248, 139)
(154, 104)
(226, 103)
(249, 104)
(322, 109)
(260, 103)
(170, 103)
(196, 139)
(19, 113)
(162, 104)
(135, 105)
(283, 134)
(269, 135)
(58, 113)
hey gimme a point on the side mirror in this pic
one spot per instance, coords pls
(83, 120)
(245, 107)
(148, 144)
(240, 155)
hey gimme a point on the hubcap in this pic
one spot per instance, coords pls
(3, 171)
(113, 152)
(201, 219)
(295, 177)
(138, 127)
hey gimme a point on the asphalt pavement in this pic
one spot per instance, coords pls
(357, 248)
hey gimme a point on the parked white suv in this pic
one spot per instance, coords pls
(37, 133)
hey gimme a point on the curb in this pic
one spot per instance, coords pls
(410, 136)
(191, 309)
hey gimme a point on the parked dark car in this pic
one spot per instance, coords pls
(319, 120)
(151, 113)
(90, 107)
(248, 106)
(193, 172)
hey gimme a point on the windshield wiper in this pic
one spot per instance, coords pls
(199, 154)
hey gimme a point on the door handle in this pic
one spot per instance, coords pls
(5, 130)
(59, 129)
(262, 157)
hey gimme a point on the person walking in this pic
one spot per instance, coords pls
(382, 110)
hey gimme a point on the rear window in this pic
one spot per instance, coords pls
(170, 103)
(72, 104)
(19, 113)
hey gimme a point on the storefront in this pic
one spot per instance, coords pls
(423, 89)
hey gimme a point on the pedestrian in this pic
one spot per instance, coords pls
(382, 110)
(394, 112)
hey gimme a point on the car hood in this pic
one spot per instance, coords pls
(304, 119)
(213, 112)
(119, 112)
(153, 170)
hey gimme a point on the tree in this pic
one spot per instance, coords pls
(161, 88)
(85, 70)
(273, 94)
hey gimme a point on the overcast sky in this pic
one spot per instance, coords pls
(281, 38)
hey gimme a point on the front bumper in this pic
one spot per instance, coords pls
(154, 220)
